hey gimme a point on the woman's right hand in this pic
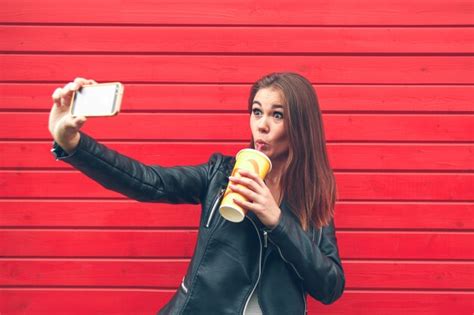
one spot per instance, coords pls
(63, 127)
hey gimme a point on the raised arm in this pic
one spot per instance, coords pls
(114, 170)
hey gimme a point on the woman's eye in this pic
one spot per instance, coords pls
(256, 112)
(278, 115)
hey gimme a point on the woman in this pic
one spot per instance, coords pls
(284, 249)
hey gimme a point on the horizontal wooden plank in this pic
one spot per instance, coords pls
(168, 274)
(419, 157)
(130, 214)
(396, 302)
(409, 245)
(141, 302)
(233, 97)
(196, 126)
(19, 154)
(235, 39)
(405, 186)
(82, 301)
(409, 275)
(351, 186)
(93, 273)
(235, 127)
(238, 69)
(180, 244)
(112, 214)
(96, 243)
(409, 215)
(236, 12)
(343, 156)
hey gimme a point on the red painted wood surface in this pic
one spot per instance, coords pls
(148, 301)
(350, 215)
(242, 40)
(140, 273)
(232, 12)
(233, 98)
(235, 127)
(238, 69)
(179, 243)
(395, 84)
(17, 154)
(351, 186)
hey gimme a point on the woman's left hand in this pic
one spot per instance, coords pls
(260, 199)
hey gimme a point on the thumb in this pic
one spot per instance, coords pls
(79, 121)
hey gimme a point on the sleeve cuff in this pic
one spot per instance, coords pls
(280, 228)
(58, 152)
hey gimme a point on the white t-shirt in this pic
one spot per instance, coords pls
(253, 308)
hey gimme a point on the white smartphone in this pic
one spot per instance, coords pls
(102, 99)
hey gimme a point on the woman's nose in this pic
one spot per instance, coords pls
(263, 124)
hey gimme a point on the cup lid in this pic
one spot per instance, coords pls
(263, 155)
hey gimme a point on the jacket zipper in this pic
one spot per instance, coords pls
(183, 286)
(214, 207)
(302, 289)
(320, 236)
(265, 238)
(282, 257)
(304, 300)
(259, 265)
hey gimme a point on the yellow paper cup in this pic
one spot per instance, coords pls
(250, 160)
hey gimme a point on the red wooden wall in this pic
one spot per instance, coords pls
(395, 82)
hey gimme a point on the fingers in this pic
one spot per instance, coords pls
(244, 191)
(70, 126)
(253, 176)
(246, 204)
(56, 96)
(78, 121)
(66, 93)
(81, 81)
(247, 182)
(68, 88)
(62, 96)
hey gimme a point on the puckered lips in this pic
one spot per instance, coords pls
(261, 145)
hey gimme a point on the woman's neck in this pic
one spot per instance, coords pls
(273, 182)
(273, 178)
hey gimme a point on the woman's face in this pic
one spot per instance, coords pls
(267, 124)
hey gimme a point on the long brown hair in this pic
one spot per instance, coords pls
(307, 182)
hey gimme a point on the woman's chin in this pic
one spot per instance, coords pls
(264, 151)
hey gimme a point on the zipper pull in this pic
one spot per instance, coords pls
(265, 238)
(214, 207)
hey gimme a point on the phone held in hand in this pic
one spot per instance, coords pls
(102, 99)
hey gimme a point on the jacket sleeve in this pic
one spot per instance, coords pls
(319, 267)
(114, 171)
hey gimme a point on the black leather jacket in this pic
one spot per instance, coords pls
(230, 260)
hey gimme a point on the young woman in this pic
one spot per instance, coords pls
(285, 248)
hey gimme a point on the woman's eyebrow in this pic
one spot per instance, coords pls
(273, 105)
